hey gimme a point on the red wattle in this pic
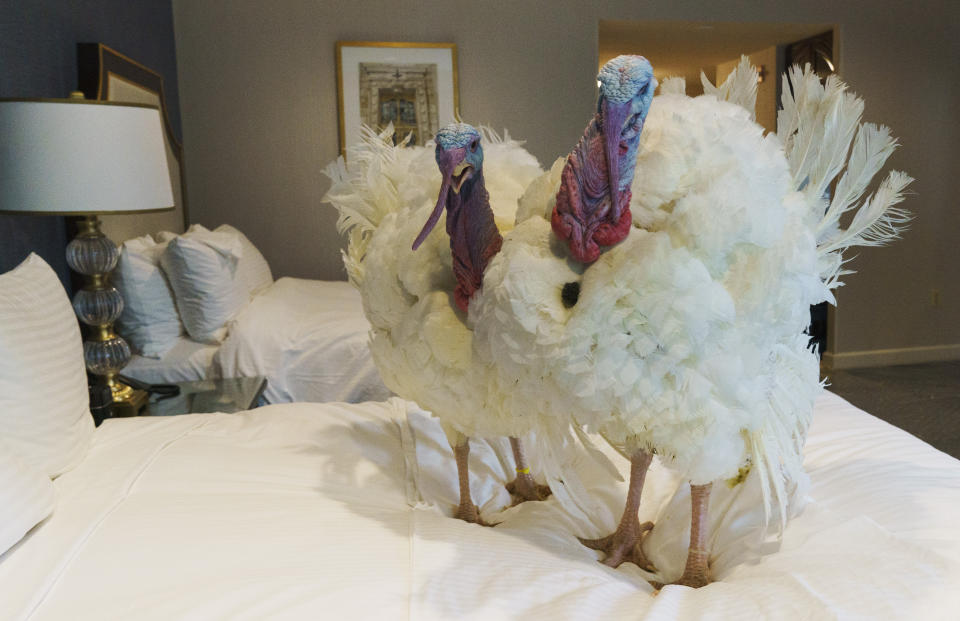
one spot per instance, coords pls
(561, 227)
(461, 298)
(611, 233)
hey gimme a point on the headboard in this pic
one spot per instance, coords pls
(107, 75)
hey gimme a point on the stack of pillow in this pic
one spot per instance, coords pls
(193, 283)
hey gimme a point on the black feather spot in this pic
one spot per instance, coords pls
(570, 294)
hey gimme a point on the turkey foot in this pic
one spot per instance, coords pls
(523, 487)
(696, 573)
(625, 544)
(471, 513)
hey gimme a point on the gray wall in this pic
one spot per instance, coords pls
(259, 100)
(38, 58)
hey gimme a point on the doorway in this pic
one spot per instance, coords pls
(685, 49)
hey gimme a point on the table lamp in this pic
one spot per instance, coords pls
(75, 157)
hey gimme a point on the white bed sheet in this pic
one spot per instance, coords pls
(303, 511)
(186, 361)
(310, 339)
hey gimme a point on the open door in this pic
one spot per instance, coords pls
(816, 51)
(685, 49)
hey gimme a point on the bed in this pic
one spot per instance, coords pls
(342, 511)
(335, 510)
(307, 337)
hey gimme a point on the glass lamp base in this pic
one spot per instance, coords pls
(99, 305)
(106, 356)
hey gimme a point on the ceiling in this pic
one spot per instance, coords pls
(683, 48)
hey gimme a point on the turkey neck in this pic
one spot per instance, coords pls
(589, 163)
(474, 238)
(589, 213)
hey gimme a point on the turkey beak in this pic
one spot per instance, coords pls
(613, 117)
(449, 162)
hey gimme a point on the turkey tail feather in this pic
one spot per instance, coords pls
(362, 193)
(824, 141)
(776, 449)
(562, 456)
(740, 87)
(673, 86)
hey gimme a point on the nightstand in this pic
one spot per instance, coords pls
(233, 394)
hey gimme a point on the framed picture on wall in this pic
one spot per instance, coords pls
(107, 75)
(412, 85)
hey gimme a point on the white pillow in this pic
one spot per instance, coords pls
(201, 266)
(44, 405)
(27, 496)
(150, 321)
(252, 270)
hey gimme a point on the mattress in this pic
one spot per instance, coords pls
(186, 361)
(303, 511)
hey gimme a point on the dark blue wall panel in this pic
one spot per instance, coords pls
(38, 58)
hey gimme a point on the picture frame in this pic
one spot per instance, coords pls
(413, 85)
(105, 74)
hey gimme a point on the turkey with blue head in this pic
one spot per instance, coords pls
(474, 237)
(593, 204)
(474, 240)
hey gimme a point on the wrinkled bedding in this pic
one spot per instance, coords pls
(309, 338)
(308, 511)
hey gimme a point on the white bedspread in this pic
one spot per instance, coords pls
(309, 338)
(303, 511)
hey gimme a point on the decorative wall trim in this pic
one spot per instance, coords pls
(887, 357)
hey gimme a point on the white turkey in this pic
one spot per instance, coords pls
(687, 339)
(417, 302)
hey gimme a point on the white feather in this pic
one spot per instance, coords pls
(817, 124)
(676, 85)
(739, 88)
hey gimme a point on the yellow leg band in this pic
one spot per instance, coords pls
(523, 470)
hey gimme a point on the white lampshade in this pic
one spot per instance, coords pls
(73, 156)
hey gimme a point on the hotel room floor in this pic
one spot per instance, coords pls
(922, 399)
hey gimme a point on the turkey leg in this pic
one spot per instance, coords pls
(466, 510)
(523, 487)
(696, 572)
(625, 543)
